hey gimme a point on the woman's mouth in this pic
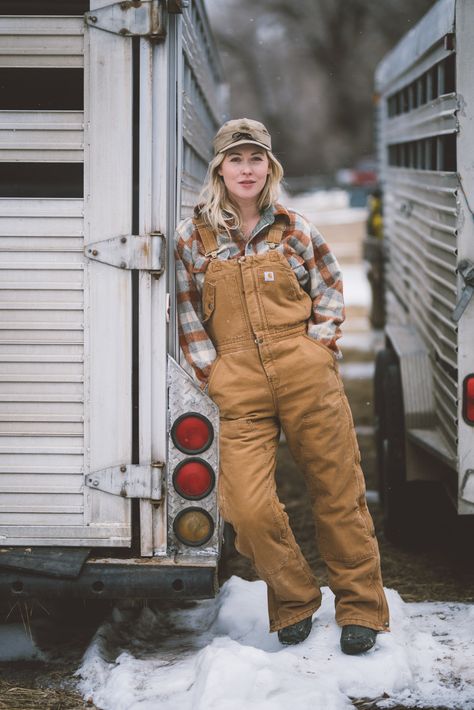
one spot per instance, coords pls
(246, 183)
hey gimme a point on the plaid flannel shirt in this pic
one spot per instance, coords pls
(307, 253)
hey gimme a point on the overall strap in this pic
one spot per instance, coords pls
(207, 236)
(275, 233)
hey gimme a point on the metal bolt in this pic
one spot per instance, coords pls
(93, 18)
(123, 240)
(94, 252)
(95, 483)
(123, 265)
(123, 469)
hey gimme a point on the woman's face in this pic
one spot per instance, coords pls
(244, 171)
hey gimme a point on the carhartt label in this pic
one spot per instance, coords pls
(268, 276)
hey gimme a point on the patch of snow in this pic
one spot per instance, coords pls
(356, 285)
(16, 644)
(360, 340)
(357, 370)
(218, 655)
(326, 207)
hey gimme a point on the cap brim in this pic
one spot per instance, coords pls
(242, 142)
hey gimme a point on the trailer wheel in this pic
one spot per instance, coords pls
(397, 511)
(383, 360)
(411, 509)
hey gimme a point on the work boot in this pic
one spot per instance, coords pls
(296, 633)
(357, 639)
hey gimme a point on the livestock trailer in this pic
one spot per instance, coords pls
(108, 449)
(424, 379)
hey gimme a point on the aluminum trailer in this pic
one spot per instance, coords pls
(108, 449)
(424, 380)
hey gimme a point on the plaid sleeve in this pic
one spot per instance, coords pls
(325, 288)
(193, 339)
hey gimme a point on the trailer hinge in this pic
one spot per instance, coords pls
(176, 7)
(130, 18)
(466, 269)
(144, 252)
(129, 481)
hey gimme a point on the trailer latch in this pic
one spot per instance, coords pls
(129, 18)
(129, 480)
(466, 269)
(144, 252)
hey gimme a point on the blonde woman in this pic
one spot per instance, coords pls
(260, 307)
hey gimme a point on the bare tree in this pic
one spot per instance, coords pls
(306, 69)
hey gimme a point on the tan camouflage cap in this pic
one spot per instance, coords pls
(239, 131)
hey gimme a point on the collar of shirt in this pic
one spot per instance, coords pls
(267, 218)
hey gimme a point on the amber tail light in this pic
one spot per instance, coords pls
(193, 526)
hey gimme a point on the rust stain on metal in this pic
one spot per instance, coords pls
(127, 4)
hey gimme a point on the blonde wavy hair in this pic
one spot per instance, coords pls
(215, 204)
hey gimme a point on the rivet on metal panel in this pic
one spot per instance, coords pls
(123, 469)
(123, 265)
(123, 240)
(95, 483)
(94, 252)
(93, 18)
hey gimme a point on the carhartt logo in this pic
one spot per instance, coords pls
(268, 276)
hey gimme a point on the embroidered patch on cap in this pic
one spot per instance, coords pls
(268, 276)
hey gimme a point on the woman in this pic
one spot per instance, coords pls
(260, 305)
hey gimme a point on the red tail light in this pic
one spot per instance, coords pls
(193, 478)
(468, 399)
(192, 433)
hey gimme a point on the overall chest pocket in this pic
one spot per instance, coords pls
(284, 302)
(223, 308)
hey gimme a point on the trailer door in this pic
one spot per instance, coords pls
(66, 134)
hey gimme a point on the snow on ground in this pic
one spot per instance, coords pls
(16, 644)
(325, 206)
(357, 370)
(218, 655)
(356, 285)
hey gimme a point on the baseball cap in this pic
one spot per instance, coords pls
(239, 131)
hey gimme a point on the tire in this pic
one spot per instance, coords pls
(383, 360)
(411, 509)
(397, 508)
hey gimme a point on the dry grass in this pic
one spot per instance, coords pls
(16, 697)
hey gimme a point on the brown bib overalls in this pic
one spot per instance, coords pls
(270, 373)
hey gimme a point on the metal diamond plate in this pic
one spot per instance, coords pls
(185, 396)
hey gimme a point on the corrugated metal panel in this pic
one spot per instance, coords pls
(41, 41)
(41, 351)
(421, 231)
(201, 103)
(50, 295)
(47, 136)
(416, 43)
(433, 119)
